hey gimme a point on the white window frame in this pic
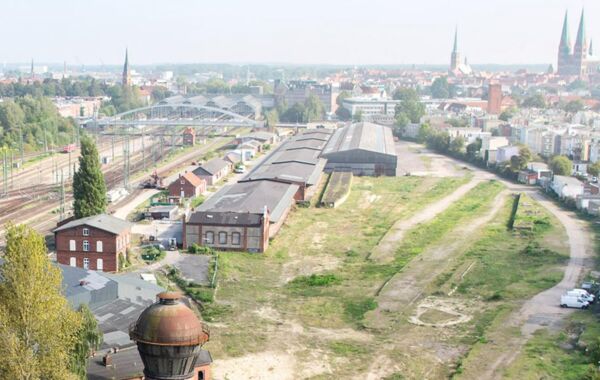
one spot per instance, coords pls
(100, 265)
(86, 263)
(99, 246)
(72, 245)
(84, 244)
(221, 234)
(86, 232)
(73, 261)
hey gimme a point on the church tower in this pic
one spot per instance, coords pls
(455, 59)
(564, 48)
(580, 52)
(126, 71)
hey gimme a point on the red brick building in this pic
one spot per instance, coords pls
(189, 136)
(93, 243)
(495, 99)
(187, 185)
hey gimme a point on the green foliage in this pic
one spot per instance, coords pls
(356, 309)
(573, 106)
(410, 105)
(153, 253)
(197, 201)
(36, 121)
(200, 249)
(594, 169)
(440, 89)
(272, 117)
(38, 328)
(89, 338)
(507, 114)
(347, 348)
(534, 101)
(315, 280)
(561, 165)
(89, 188)
(121, 99)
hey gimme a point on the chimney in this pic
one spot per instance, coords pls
(107, 360)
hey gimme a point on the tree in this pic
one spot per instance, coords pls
(424, 132)
(314, 109)
(342, 112)
(457, 144)
(573, 106)
(594, 169)
(440, 88)
(401, 123)
(507, 114)
(38, 328)
(272, 117)
(294, 114)
(89, 338)
(358, 117)
(474, 148)
(535, 101)
(561, 165)
(89, 188)
(409, 105)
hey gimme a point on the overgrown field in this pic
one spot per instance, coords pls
(306, 298)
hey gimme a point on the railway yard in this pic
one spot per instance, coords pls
(34, 191)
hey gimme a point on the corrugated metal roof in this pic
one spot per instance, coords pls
(365, 136)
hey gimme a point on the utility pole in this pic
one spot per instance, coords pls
(126, 160)
(62, 196)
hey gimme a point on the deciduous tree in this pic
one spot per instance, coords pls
(38, 328)
(561, 165)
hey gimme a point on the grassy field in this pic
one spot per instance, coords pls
(309, 293)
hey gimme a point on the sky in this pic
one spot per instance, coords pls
(353, 32)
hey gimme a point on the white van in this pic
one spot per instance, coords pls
(583, 294)
(572, 301)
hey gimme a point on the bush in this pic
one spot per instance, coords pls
(315, 280)
(200, 249)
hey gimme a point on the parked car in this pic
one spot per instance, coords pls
(583, 294)
(574, 302)
(240, 169)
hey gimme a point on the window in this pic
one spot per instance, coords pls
(72, 246)
(222, 237)
(210, 237)
(99, 265)
(86, 245)
(73, 262)
(235, 238)
(86, 232)
(99, 246)
(86, 263)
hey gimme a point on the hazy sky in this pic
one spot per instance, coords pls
(302, 31)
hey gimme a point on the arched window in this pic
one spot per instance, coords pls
(235, 238)
(222, 237)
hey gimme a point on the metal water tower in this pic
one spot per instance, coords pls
(169, 337)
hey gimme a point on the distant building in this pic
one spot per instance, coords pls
(93, 243)
(458, 66)
(577, 60)
(494, 99)
(189, 136)
(363, 149)
(213, 170)
(187, 185)
(566, 187)
(299, 91)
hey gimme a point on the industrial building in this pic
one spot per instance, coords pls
(363, 149)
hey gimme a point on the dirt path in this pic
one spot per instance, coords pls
(384, 251)
(541, 311)
(408, 286)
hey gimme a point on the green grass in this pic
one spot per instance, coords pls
(342, 348)
(356, 309)
(197, 201)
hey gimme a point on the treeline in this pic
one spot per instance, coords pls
(36, 120)
(217, 86)
(54, 87)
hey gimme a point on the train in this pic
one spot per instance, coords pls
(69, 148)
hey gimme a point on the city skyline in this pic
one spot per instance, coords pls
(235, 32)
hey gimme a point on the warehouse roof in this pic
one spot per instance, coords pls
(228, 218)
(211, 167)
(252, 197)
(290, 172)
(102, 222)
(307, 156)
(361, 136)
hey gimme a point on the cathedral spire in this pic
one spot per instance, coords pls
(581, 38)
(126, 70)
(455, 49)
(565, 38)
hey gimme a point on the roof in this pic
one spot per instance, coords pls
(361, 136)
(304, 144)
(102, 222)
(308, 156)
(162, 208)
(191, 178)
(260, 135)
(127, 364)
(252, 197)
(211, 167)
(226, 218)
(290, 172)
(568, 181)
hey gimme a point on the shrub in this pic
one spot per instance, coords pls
(316, 280)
